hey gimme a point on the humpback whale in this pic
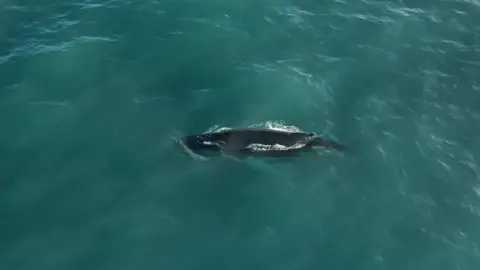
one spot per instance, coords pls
(243, 142)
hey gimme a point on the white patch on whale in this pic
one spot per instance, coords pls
(275, 147)
(209, 143)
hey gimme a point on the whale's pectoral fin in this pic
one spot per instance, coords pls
(232, 148)
(236, 153)
(229, 149)
(232, 151)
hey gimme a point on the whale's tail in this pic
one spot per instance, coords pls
(318, 141)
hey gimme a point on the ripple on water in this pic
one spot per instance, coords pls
(32, 47)
(6, 58)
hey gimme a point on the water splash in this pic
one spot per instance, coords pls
(277, 125)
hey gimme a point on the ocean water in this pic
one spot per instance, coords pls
(92, 94)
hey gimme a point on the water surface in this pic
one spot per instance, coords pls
(93, 91)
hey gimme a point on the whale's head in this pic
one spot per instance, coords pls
(206, 141)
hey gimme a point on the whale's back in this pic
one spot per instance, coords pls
(264, 136)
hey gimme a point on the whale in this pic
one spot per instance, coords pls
(243, 142)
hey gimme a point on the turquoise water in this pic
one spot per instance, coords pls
(92, 93)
